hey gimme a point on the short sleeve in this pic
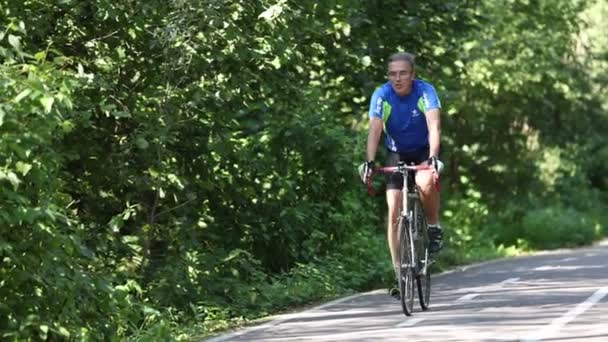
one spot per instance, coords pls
(429, 96)
(375, 105)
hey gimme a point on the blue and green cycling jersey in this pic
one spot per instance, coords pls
(405, 128)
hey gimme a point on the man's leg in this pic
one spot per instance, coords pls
(428, 195)
(393, 200)
(430, 201)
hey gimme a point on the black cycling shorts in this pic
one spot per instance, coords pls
(394, 181)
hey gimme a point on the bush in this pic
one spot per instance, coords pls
(601, 224)
(361, 262)
(555, 226)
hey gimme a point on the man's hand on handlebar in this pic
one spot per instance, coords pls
(365, 171)
(436, 164)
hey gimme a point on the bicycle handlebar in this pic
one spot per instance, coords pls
(401, 169)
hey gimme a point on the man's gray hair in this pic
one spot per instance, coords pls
(403, 56)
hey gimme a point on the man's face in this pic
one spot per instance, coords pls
(401, 75)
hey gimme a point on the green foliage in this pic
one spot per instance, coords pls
(554, 227)
(603, 221)
(171, 164)
(360, 263)
(53, 285)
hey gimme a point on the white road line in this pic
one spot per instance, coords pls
(508, 281)
(410, 322)
(467, 297)
(334, 315)
(558, 323)
(568, 268)
(470, 296)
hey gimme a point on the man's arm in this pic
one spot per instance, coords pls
(434, 125)
(373, 137)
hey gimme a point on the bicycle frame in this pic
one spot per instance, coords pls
(413, 266)
(407, 196)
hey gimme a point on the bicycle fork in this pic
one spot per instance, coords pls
(408, 216)
(414, 236)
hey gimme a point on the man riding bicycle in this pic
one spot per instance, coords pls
(407, 111)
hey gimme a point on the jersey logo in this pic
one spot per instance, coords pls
(421, 104)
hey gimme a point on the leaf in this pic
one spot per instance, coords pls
(235, 253)
(44, 331)
(132, 33)
(142, 143)
(23, 95)
(116, 223)
(153, 173)
(11, 177)
(62, 331)
(15, 41)
(272, 12)
(130, 239)
(5, 247)
(120, 114)
(47, 102)
(149, 311)
(23, 168)
(40, 56)
(121, 52)
(276, 63)
(67, 126)
(366, 61)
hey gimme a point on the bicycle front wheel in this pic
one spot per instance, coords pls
(406, 269)
(423, 278)
(424, 288)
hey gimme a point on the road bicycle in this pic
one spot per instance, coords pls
(415, 259)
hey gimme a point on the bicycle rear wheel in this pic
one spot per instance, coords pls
(423, 277)
(406, 270)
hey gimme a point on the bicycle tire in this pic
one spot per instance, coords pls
(423, 278)
(406, 269)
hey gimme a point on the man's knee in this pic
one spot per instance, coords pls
(425, 181)
(393, 198)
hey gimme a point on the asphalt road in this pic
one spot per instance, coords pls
(557, 296)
